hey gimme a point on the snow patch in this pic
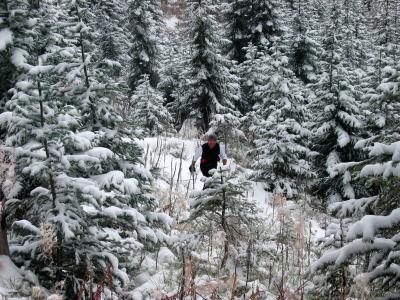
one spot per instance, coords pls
(5, 38)
(172, 22)
(9, 273)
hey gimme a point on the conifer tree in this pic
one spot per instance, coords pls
(83, 183)
(174, 55)
(144, 26)
(223, 205)
(211, 87)
(149, 111)
(280, 155)
(338, 119)
(305, 49)
(253, 22)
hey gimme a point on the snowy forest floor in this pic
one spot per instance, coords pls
(160, 274)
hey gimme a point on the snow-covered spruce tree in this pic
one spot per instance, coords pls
(174, 54)
(370, 245)
(14, 24)
(253, 22)
(371, 242)
(305, 49)
(22, 67)
(280, 154)
(96, 211)
(145, 18)
(337, 120)
(148, 109)
(111, 38)
(333, 282)
(385, 14)
(253, 74)
(354, 34)
(211, 87)
(222, 207)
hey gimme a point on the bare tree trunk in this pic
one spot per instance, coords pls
(224, 226)
(183, 279)
(4, 247)
(248, 261)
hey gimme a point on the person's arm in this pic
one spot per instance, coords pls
(223, 155)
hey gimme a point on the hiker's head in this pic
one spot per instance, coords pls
(212, 140)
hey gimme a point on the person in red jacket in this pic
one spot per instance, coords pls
(210, 153)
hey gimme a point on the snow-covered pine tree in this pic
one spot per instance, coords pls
(384, 108)
(145, 21)
(370, 244)
(280, 154)
(149, 111)
(7, 70)
(14, 24)
(87, 199)
(255, 22)
(112, 48)
(333, 282)
(253, 74)
(26, 23)
(174, 54)
(222, 207)
(211, 86)
(112, 38)
(305, 49)
(338, 116)
(385, 15)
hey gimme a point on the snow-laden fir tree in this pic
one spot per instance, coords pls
(337, 117)
(280, 154)
(111, 38)
(223, 208)
(83, 184)
(385, 15)
(145, 21)
(253, 22)
(22, 56)
(371, 242)
(333, 282)
(174, 54)
(305, 49)
(14, 25)
(253, 76)
(211, 87)
(149, 111)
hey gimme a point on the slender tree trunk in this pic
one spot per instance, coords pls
(58, 253)
(4, 247)
(224, 226)
(183, 279)
(85, 71)
(46, 148)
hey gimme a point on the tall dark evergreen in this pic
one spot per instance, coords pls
(305, 49)
(253, 22)
(281, 157)
(339, 116)
(211, 88)
(145, 21)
